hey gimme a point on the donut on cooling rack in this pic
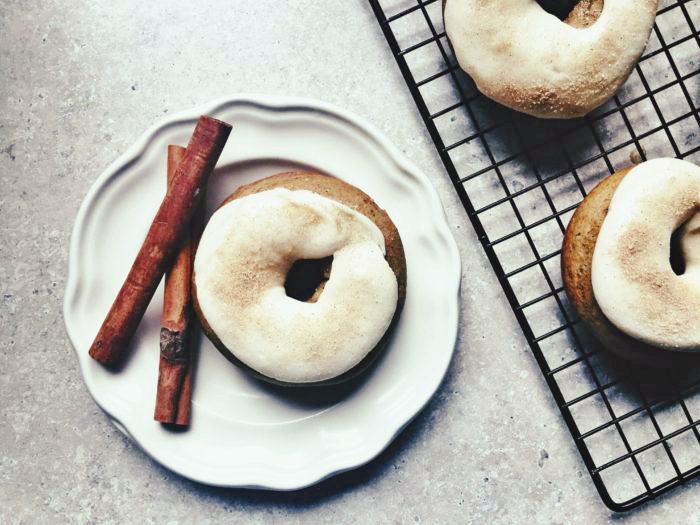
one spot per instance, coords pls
(631, 261)
(529, 60)
(299, 279)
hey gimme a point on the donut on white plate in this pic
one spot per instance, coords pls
(299, 279)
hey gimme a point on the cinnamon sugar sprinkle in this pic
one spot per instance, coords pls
(665, 292)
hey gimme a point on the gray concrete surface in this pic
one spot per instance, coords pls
(79, 81)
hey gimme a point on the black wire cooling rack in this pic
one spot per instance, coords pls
(520, 180)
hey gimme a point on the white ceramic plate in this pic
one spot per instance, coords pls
(244, 434)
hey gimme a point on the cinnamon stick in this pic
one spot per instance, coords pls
(171, 221)
(177, 334)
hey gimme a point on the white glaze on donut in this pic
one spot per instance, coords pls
(633, 281)
(529, 60)
(242, 261)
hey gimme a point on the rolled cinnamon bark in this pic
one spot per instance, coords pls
(170, 223)
(178, 332)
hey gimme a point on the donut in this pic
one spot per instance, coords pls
(299, 279)
(529, 60)
(617, 267)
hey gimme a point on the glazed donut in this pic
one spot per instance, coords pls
(527, 59)
(243, 260)
(616, 261)
(632, 278)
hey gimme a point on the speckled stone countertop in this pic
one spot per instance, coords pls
(80, 81)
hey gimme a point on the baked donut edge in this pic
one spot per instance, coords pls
(576, 264)
(340, 191)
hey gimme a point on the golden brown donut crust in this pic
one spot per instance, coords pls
(585, 13)
(576, 263)
(340, 191)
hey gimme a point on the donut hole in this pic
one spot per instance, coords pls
(576, 13)
(558, 8)
(676, 258)
(307, 277)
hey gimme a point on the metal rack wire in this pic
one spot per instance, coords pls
(520, 180)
